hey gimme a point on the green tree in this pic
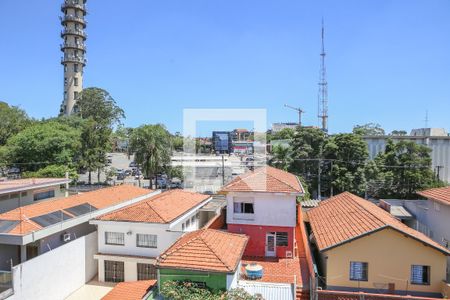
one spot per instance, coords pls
(152, 146)
(98, 104)
(42, 144)
(348, 153)
(12, 121)
(368, 129)
(307, 147)
(281, 157)
(186, 290)
(283, 134)
(53, 171)
(102, 113)
(177, 141)
(405, 168)
(399, 132)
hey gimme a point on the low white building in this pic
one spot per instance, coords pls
(130, 239)
(19, 192)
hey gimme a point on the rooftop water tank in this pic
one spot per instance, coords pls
(254, 271)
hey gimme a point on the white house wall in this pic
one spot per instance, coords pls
(164, 240)
(270, 209)
(58, 273)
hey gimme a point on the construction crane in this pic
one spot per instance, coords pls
(299, 110)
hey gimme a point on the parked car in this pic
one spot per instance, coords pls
(132, 164)
(162, 183)
(127, 172)
(121, 176)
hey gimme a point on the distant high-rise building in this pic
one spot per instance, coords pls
(74, 50)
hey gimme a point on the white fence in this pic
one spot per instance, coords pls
(58, 273)
(269, 291)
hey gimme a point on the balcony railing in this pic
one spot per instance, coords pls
(78, 32)
(73, 4)
(72, 18)
(79, 46)
(73, 59)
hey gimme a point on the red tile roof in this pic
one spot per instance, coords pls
(265, 179)
(346, 217)
(205, 250)
(101, 198)
(441, 195)
(162, 208)
(278, 270)
(133, 290)
(9, 186)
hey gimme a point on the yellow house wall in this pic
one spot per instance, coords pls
(389, 255)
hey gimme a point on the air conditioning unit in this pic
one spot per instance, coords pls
(65, 237)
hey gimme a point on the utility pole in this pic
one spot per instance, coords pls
(438, 169)
(223, 171)
(299, 110)
(319, 197)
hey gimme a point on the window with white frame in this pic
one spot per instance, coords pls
(420, 274)
(146, 240)
(359, 271)
(243, 205)
(114, 238)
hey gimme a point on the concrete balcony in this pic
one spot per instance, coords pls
(71, 18)
(73, 59)
(73, 4)
(78, 32)
(78, 46)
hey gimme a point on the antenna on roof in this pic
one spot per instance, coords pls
(426, 118)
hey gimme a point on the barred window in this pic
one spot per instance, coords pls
(146, 240)
(114, 238)
(358, 271)
(114, 271)
(146, 271)
(420, 274)
(282, 238)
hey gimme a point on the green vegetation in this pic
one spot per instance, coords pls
(13, 120)
(368, 129)
(182, 290)
(43, 144)
(152, 146)
(343, 163)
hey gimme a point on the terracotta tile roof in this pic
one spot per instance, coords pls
(101, 198)
(278, 270)
(205, 250)
(345, 217)
(162, 208)
(438, 194)
(8, 186)
(133, 290)
(265, 179)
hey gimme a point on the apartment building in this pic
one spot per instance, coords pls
(131, 238)
(262, 205)
(364, 248)
(19, 192)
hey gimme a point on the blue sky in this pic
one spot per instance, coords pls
(387, 61)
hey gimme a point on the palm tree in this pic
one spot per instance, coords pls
(282, 157)
(151, 145)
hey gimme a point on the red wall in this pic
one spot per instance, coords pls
(256, 245)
